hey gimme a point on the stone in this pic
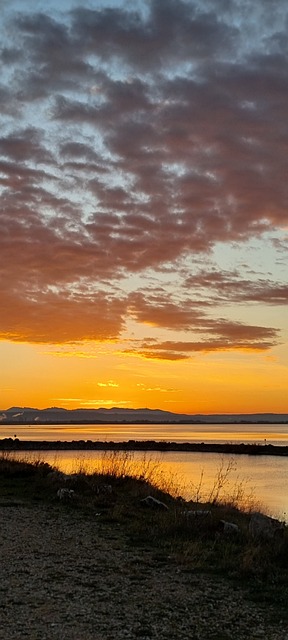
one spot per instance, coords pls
(262, 527)
(228, 528)
(153, 503)
(65, 494)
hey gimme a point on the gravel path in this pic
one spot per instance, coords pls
(66, 578)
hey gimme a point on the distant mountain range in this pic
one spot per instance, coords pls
(56, 415)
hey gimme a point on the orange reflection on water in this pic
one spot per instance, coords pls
(263, 478)
(222, 433)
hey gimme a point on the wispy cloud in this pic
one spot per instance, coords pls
(231, 287)
(103, 402)
(110, 383)
(161, 389)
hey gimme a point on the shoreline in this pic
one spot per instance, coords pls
(14, 444)
(219, 421)
(98, 564)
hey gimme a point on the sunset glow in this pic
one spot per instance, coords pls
(144, 219)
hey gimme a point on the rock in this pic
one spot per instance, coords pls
(228, 528)
(263, 527)
(153, 503)
(198, 513)
(65, 494)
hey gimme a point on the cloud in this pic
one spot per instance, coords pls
(110, 383)
(231, 287)
(160, 311)
(222, 120)
(216, 334)
(143, 387)
(151, 354)
(79, 150)
(133, 140)
(53, 318)
(24, 145)
(235, 338)
(172, 31)
(102, 403)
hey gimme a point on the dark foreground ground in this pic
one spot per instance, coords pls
(99, 566)
(65, 578)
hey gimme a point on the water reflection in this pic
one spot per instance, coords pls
(263, 478)
(276, 434)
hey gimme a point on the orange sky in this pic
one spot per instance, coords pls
(96, 375)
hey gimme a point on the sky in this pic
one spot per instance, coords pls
(144, 204)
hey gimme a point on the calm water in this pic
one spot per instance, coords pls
(264, 478)
(271, 433)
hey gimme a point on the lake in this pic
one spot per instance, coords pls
(262, 478)
(276, 434)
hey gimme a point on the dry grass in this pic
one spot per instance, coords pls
(237, 495)
(114, 492)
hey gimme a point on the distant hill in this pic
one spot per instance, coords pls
(58, 415)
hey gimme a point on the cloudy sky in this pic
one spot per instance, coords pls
(144, 204)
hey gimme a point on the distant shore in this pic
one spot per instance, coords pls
(14, 444)
(199, 421)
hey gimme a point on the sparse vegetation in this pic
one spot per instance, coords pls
(189, 531)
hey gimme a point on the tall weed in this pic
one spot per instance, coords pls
(222, 491)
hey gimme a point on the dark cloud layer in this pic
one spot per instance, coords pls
(131, 140)
(215, 334)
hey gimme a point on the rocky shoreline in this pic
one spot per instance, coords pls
(66, 577)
